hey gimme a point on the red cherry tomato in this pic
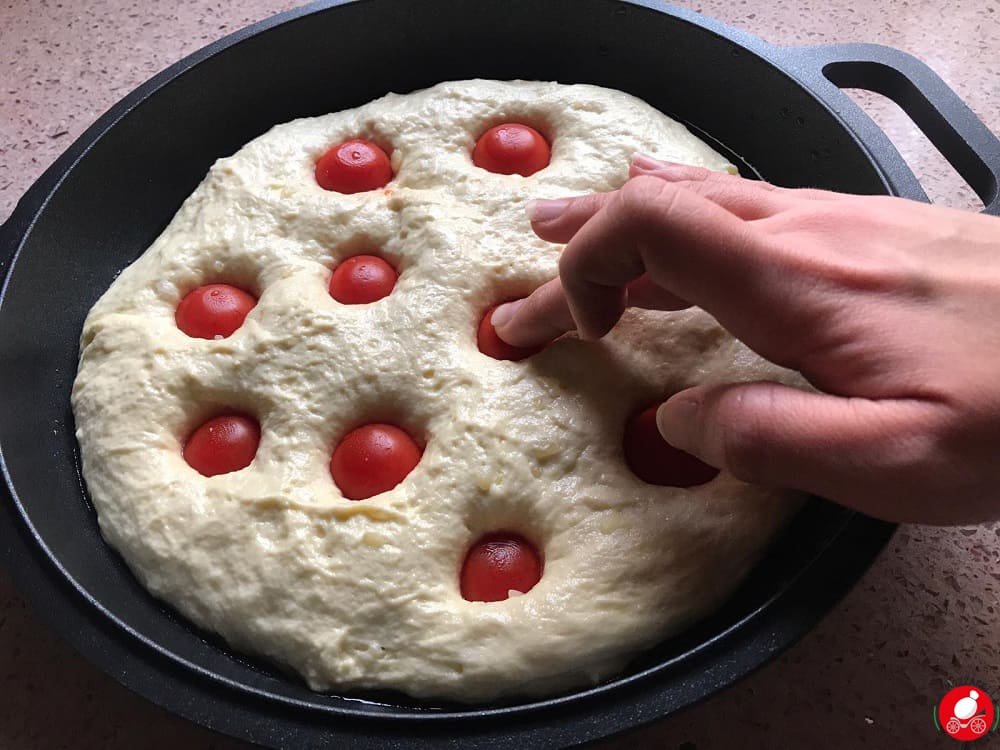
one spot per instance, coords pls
(511, 148)
(223, 444)
(497, 564)
(493, 346)
(353, 167)
(362, 279)
(654, 460)
(213, 310)
(373, 459)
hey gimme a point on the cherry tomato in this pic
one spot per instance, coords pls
(654, 460)
(497, 564)
(213, 310)
(493, 346)
(353, 167)
(362, 279)
(223, 444)
(373, 459)
(511, 148)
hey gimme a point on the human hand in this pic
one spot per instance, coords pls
(889, 307)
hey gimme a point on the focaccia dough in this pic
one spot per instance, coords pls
(365, 594)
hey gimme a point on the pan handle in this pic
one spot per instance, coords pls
(944, 118)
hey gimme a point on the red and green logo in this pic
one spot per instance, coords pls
(965, 714)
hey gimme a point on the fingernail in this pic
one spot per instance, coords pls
(676, 419)
(542, 210)
(665, 169)
(645, 161)
(503, 314)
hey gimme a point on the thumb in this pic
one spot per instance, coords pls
(859, 452)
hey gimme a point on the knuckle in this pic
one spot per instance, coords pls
(740, 433)
(918, 443)
(832, 220)
(569, 261)
(717, 177)
(916, 460)
(707, 187)
(701, 174)
(643, 199)
(813, 194)
(575, 265)
(813, 217)
(724, 191)
(861, 274)
(589, 204)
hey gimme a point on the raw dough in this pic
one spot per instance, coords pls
(365, 594)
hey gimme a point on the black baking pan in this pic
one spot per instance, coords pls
(777, 112)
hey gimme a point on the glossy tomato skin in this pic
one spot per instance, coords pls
(655, 461)
(498, 563)
(512, 148)
(213, 310)
(373, 459)
(493, 346)
(354, 166)
(362, 279)
(223, 444)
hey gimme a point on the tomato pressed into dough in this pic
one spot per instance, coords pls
(498, 564)
(373, 459)
(362, 279)
(354, 166)
(213, 311)
(493, 346)
(223, 444)
(511, 148)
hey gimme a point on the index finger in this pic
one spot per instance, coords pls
(687, 244)
(544, 315)
(639, 232)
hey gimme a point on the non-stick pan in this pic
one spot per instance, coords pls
(775, 111)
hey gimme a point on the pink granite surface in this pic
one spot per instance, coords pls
(923, 619)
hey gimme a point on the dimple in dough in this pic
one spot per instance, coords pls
(365, 594)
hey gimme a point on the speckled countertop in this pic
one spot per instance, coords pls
(922, 620)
